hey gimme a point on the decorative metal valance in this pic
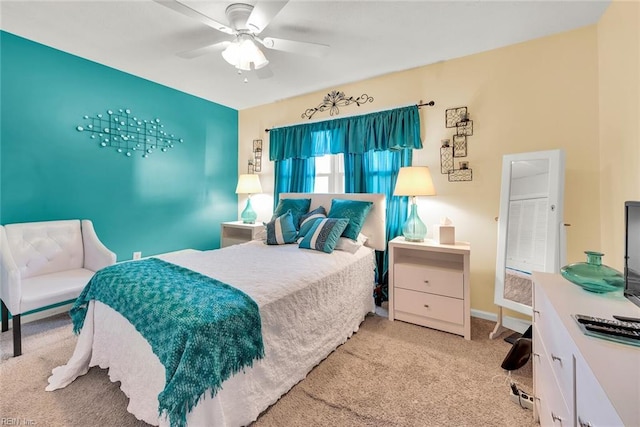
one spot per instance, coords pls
(419, 105)
(128, 134)
(336, 99)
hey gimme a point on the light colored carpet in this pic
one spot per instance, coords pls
(388, 374)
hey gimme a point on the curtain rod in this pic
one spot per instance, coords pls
(419, 104)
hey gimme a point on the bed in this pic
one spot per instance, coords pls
(310, 302)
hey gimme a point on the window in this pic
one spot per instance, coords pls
(329, 174)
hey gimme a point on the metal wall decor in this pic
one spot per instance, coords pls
(257, 155)
(457, 118)
(459, 145)
(465, 128)
(446, 157)
(128, 134)
(463, 173)
(336, 99)
(453, 116)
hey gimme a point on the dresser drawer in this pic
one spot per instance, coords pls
(593, 406)
(428, 305)
(550, 404)
(557, 346)
(434, 280)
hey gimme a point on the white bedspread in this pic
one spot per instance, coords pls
(310, 303)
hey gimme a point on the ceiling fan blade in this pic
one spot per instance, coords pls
(262, 14)
(303, 48)
(192, 13)
(194, 53)
(264, 73)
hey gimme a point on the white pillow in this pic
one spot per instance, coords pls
(351, 246)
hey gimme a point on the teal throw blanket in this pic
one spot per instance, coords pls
(203, 331)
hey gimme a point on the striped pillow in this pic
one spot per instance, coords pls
(281, 230)
(324, 234)
(306, 221)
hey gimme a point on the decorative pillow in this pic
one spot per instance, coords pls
(355, 210)
(307, 220)
(298, 207)
(324, 234)
(281, 230)
(351, 246)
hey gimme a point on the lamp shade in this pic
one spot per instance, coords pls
(248, 183)
(414, 181)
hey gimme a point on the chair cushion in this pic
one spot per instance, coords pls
(45, 247)
(48, 289)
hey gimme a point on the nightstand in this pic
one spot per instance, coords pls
(234, 232)
(429, 285)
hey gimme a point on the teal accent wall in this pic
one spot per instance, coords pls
(50, 171)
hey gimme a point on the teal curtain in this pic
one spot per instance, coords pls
(385, 130)
(294, 176)
(377, 172)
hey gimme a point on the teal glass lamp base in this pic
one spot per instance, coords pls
(248, 215)
(414, 229)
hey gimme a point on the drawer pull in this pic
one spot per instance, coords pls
(583, 423)
(426, 281)
(555, 418)
(536, 312)
(426, 306)
(556, 358)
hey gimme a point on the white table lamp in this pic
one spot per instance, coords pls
(248, 184)
(414, 181)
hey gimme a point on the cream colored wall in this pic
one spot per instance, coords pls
(619, 82)
(533, 96)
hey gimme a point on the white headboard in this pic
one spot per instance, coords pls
(375, 224)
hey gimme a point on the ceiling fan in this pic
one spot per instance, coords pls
(245, 23)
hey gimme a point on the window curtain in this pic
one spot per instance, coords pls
(385, 130)
(377, 172)
(294, 176)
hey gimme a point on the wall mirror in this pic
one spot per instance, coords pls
(530, 230)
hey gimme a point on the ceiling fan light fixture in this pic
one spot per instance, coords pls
(231, 53)
(244, 52)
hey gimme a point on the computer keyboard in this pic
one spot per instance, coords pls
(615, 330)
(589, 320)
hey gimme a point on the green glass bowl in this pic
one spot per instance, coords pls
(592, 276)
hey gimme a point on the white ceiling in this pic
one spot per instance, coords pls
(367, 38)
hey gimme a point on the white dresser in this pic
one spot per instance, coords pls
(581, 380)
(429, 285)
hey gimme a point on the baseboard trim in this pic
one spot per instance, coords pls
(513, 323)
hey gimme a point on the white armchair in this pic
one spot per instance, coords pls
(45, 263)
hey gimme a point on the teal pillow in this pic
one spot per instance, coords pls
(281, 230)
(355, 210)
(307, 220)
(324, 234)
(298, 207)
